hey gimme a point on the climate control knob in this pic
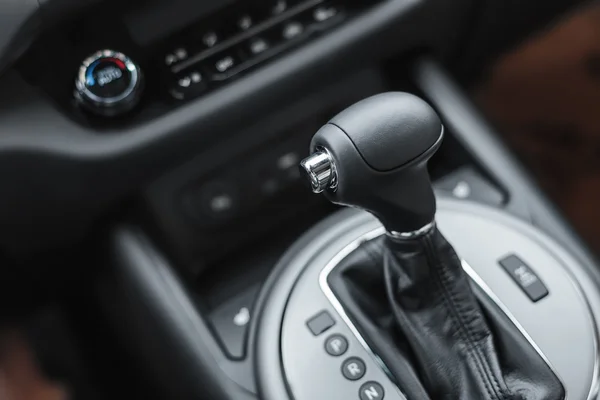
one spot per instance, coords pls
(108, 83)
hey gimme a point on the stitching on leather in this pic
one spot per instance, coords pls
(498, 389)
(451, 311)
(473, 351)
(485, 362)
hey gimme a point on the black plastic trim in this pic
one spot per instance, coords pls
(156, 317)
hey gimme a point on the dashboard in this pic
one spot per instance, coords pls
(192, 96)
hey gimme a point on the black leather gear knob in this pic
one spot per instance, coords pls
(379, 149)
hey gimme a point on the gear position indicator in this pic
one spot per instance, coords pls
(336, 345)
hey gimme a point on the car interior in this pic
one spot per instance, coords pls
(299, 199)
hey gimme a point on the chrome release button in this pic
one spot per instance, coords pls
(319, 170)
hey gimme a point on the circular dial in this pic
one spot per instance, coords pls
(108, 83)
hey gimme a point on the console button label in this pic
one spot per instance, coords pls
(354, 368)
(525, 277)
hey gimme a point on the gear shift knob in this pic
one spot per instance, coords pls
(373, 156)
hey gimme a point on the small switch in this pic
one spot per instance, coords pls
(524, 276)
(258, 45)
(292, 30)
(231, 321)
(188, 85)
(467, 184)
(210, 38)
(320, 323)
(245, 22)
(177, 55)
(223, 65)
(219, 200)
(324, 13)
(279, 7)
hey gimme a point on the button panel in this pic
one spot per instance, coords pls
(241, 40)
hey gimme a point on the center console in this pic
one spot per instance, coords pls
(258, 300)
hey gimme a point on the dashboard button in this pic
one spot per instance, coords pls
(176, 56)
(292, 30)
(170, 59)
(231, 321)
(279, 7)
(336, 345)
(223, 65)
(468, 184)
(184, 82)
(210, 39)
(245, 22)
(108, 83)
(371, 391)
(188, 85)
(218, 200)
(257, 46)
(324, 13)
(354, 368)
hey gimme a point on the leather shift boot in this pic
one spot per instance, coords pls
(414, 305)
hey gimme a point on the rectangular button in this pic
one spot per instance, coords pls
(524, 276)
(223, 65)
(320, 323)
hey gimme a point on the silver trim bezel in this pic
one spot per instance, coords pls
(411, 235)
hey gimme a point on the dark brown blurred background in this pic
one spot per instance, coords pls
(544, 97)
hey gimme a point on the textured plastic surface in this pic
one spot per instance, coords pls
(390, 129)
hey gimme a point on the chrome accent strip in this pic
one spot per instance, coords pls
(352, 246)
(411, 235)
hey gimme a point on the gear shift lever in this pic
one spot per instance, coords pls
(374, 156)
